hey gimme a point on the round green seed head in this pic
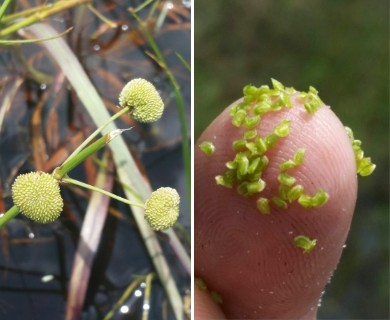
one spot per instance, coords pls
(162, 208)
(143, 100)
(37, 195)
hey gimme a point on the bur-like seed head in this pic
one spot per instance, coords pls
(37, 195)
(143, 100)
(162, 208)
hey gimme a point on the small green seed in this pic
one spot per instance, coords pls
(242, 189)
(231, 165)
(283, 190)
(254, 165)
(261, 145)
(320, 198)
(313, 90)
(280, 203)
(250, 134)
(239, 145)
(285, 100)
(255, 187)
(199, 282)
(262, 108)
(295, 192)
(289, 164)
(299, 156)
(217, 298)
(277, 85)
(223, 181)
(243, 164)
(286, 179)
(366, 167)
(305, 201)
(263, 162)
(238, 118)
(251, 146)
(349, 133)
(271, 140)
(305, 243)
(249, 90)
(263, 205)
(207, 147)
(283, 129)
(251, 122)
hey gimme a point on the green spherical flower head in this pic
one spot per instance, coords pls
(162, 208)
(37, 195)
(143, 100)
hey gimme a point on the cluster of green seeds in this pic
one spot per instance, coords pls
(246, 169)
(364, 165)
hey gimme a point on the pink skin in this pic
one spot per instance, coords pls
(250, 258)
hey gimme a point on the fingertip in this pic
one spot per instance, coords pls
(237, 247)
(205, 307)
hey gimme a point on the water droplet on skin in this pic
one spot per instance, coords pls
(290, 232)
(124, 309)
(124, 27)
(271, 292)
(96, 47)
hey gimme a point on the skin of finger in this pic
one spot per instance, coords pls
(206, 308)
(250, 258)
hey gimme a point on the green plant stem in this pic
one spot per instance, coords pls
(17, 42)
(129, 290)
(106, 193)
(74, 161)
(8, 215)
(4, 7)
(147, 294)
(183, 61)
(95, 133)
(180, 105)
(40, 15)
(101, 17)
(26, 12)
